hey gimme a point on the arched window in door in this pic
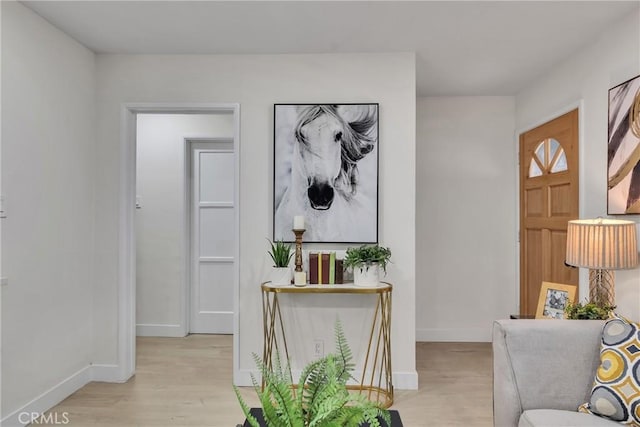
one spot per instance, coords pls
(548, 157)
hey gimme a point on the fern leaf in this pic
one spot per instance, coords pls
(308, 382)
(269, 411)
(344, 352)
(245, 409)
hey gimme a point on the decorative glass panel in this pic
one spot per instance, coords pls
(553, 147)
(540, 153)
(534, 169)
(561, 163)
(550, 157)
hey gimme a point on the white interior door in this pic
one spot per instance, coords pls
(213, 239)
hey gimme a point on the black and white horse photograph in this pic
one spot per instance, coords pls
(326, 169)
(624, 148)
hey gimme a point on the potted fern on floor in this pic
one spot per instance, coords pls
(320, 399)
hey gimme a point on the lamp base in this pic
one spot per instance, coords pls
(601, 289)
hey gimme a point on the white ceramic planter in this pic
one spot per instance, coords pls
(281, 276)
(367, 275)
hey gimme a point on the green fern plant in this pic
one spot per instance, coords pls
(363, 256)
(321, 398)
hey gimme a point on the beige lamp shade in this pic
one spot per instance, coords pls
(602, 244)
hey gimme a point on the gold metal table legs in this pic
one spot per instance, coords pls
(376, 380)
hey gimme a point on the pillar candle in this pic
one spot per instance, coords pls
(300, 278)
(298, 222)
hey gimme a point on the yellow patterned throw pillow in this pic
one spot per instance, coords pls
(616, 389)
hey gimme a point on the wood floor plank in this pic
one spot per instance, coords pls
(187, 381)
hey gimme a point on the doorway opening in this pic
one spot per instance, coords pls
(179, 228)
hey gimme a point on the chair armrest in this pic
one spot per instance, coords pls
(542, 364)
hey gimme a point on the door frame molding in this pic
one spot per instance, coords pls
(583, 273)
(126, 330)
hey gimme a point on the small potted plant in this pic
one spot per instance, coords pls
(366, 261)
(281, 254)
(588, 311)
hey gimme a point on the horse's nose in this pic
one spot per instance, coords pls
(320, 196)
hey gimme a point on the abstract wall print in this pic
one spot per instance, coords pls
(623, 170)
(326, 169)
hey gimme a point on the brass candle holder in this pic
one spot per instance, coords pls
(298, 260)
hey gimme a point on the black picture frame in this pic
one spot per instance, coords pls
(623, 154)
(326, 168)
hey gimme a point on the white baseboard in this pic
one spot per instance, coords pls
(59, 392)
(405, 380)
(243, 379)
(454, 335)
(401, 380)
(48, 399)
(159, 330)
(107, 374)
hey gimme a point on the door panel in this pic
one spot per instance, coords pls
(213, 240)
(211, 299)
(216, 178)
(216, 228)
(559, 271)
(560, 200)
(548, 200)
(534, 204)
(533, 241)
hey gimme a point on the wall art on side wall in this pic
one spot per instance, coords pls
(326, 169)
(623, 167)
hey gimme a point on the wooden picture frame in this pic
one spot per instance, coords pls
(623, 160)
(326, 170)
(553, 299)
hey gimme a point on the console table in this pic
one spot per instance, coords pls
(376, 379)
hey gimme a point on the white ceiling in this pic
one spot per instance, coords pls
(462, 47)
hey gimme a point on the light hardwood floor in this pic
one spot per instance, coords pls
(187, 382)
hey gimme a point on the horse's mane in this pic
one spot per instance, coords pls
(357, 141)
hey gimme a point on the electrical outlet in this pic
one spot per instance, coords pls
(318, 349)
(4, 281)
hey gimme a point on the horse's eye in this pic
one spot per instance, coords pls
(338, 136)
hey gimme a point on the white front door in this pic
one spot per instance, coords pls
(213, 238)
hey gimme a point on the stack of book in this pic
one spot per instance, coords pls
(325, 269)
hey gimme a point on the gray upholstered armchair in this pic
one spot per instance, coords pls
(543, 370)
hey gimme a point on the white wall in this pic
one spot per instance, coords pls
(587, 77)
(160, 223)
(466, 196)
(48, 159)
(257, 82)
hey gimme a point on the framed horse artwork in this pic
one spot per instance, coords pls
(326, 169)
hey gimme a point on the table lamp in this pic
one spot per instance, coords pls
(602, 245)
